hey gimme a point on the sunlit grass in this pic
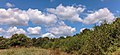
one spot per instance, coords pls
(30, 51)
(117, 52)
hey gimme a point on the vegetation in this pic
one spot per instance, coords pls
(30, 51)
(103, 40)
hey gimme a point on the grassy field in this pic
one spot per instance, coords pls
(30, 51)
(39, 51)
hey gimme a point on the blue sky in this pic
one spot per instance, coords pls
(52, 18)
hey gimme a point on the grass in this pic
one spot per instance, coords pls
(117, 52)
(39, 51)
(30, 51)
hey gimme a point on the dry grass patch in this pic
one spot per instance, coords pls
(31, 51)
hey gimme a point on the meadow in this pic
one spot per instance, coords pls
(30, 51)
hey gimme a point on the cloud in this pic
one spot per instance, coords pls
(50, 35)
(70, 13)
(2, 30)
(14, 30)
(37, 17)
(62, 30)
(9, 5)
(99, 16)
(17, 17)
(81, 30)
(13, 17)
(34, 30)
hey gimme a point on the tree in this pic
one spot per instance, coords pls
(20, 40)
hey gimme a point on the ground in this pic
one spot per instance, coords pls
(30, 51)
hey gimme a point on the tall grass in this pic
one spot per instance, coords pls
(117, 52)
(30, 51)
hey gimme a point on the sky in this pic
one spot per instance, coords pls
(54, 18)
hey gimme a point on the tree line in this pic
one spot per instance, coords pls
(102, 40)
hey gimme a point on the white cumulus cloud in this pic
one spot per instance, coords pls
(50, 35)
(34, 30)
(99, 16)
(70, 13)
(14, 30)
(37, 17)
(62, 30)
(13, 17)
(11, 30)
